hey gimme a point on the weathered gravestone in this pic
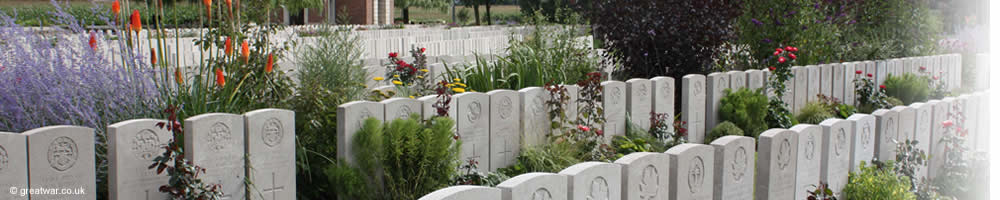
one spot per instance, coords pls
(473, 118)
(401, 108)
(800, 90)
(693, 106)
(535, 186)
(717, 84)
(644, 176)
(776, 164)
(849, 75)
(737, 79)
(969, 110)
(907, 119)
(807, 170)
(881, 71)
(464, 192)
(863, 141)
(734, 165)
(639, 101)
(13, 164)
(535, 124)
(922, 132)
(216, 142)
(614, 108)
(372, 72)
(594, 181)
(942, 112)
(505, 121)
(838, 80)
(755, 79)
(132, 146)
(571, 105)
(813, 81)
(691, 171)
(982, 134)
(663, 97)
(350, 118)
(836, 158)
(870, 68)
(428, 110)
(826, 80)
(61, 157)
(886, 134)
(271, 144)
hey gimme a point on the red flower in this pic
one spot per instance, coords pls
(779, 50)
(795, 49)
(220, 79)
(789, 48)
(583, 128)
(393, 54)
(881, 86)
(115, 8)
(935, 77)
(599, 132)
(136, 21)
(776, 53)
(152, 56)
(229, 46)
(422, 50)
(270, 63)
(869, 75)
(792, 55)
(208, 7)
(857, 72)
(781, 59)
(93, 40)
(245, 50)
(922, 68)
(947, 123)
(230, 4)
(401, 63)
(772, 68)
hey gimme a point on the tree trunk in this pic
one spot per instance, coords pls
(475, 10)
(406, 15)
(489, 21)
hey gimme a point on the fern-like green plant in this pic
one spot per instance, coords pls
(814, 113)
(908, 88)
(745, 108)
(874, 182)
(723, 129)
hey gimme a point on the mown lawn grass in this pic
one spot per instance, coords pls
(427, 15)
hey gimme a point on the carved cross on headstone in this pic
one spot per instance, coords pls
(274, 189)
(506, 149)
(475, 156)
(224, 195)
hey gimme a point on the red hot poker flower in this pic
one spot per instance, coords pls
(220, 79)
(229, 46)
(245, 51)
(93, 40)
(152, 56)
(270, 63)
(136, 21)
(115, 8)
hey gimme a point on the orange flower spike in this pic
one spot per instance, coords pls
(93, 41)
(152, 56)
(270, 64)
(115, 8)
(229, 3)
(245, 51)
(229, 46)
(220, 79)
(136, 21)
(178, 76)
(208, 7)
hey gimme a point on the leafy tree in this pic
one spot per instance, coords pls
(406, 4)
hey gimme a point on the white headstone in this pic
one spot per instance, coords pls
(839, 72)
(863, 141)
(692, 171)
(594, 180)
(755, 79)
(881, 71)
(982, 134)
(571, 106)
(639, 101)
(535, 124)
(836, 150)
(907, 119)
(849, 75)
(132, 146)
(922, 132)
(614, 108)
(735, 158)
(801, 88)
(401, 108)
(271, 145)
(776, 166)
(463, 192)
(717, 84)
(473, 118)
(969, 108)
(693, 106)
(940, 114)
(644, 176)
(663, 97)
(216, 142)
(737, 79)
(809, 159)
(826, 80)
(813, 80)
(14, 164)
(886, 134)
(535, 185)
(350, 117)
(505, 121)
(61, 157)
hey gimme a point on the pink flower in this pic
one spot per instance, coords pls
(935, 78)
(869, 75)
(600, 133)
(947, 123)
(583, 128)
(792, 55)
(789, 48)
(772, 68)
(857, 72)
(779, 50)
(781, 60)
(882, 86)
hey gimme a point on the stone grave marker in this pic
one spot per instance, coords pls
(800, 93)
(881, 71)
(863, 142)
(768, 90)
(734, 171)
(808, 160)
(644, 176)
(907, 119)
(401, 108)
(922, 132)
(942, 110)
(849, 75)
(614, 108)
(870, 68)
(777, 155)
(535, 116)
(663, 97)
(836, 159)
(826, 80)
(982, 135)
(839, 72)
(571, 107)
(886, 134)
(14, 163)
(813, 81)
(717, 84)
(971, 113)
(428, 110)
(505, 121)
(350, 118)
(691, 171)
(463, 192)
(216, 142)
(693, 106)
(61, 157)
(639, 101)
(535, 186)
(271, 144)
(132, 146)
(737, 79)
(755, 79)
(594, 180)
(473, 118)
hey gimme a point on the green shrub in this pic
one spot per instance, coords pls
(872, 182)
(724, 129)
(908, 88)
(814, 113)
(746, 108)
(636, 140)
(552, 157)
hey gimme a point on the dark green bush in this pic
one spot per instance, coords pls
(746, 108)
(908, 88)
(814, 113)
(724, 129)
(873, 182)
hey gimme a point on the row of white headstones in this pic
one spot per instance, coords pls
(58, 162)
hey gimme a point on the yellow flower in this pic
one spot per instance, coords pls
(395, 76)
(412, 97)
(450, 85)
(458, 90)
(425, 70)
(397, 82)
(379, 78)
(461, 84)
(420, 77)
(457, 79)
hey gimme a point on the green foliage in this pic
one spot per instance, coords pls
(325, 68)
(814, 113)
(869, 97)
(637, 140)
(462, 16)
(724, 129)
(745, 108)
(908, 88)
(872, 182)
(177, 15)
(552, 158)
